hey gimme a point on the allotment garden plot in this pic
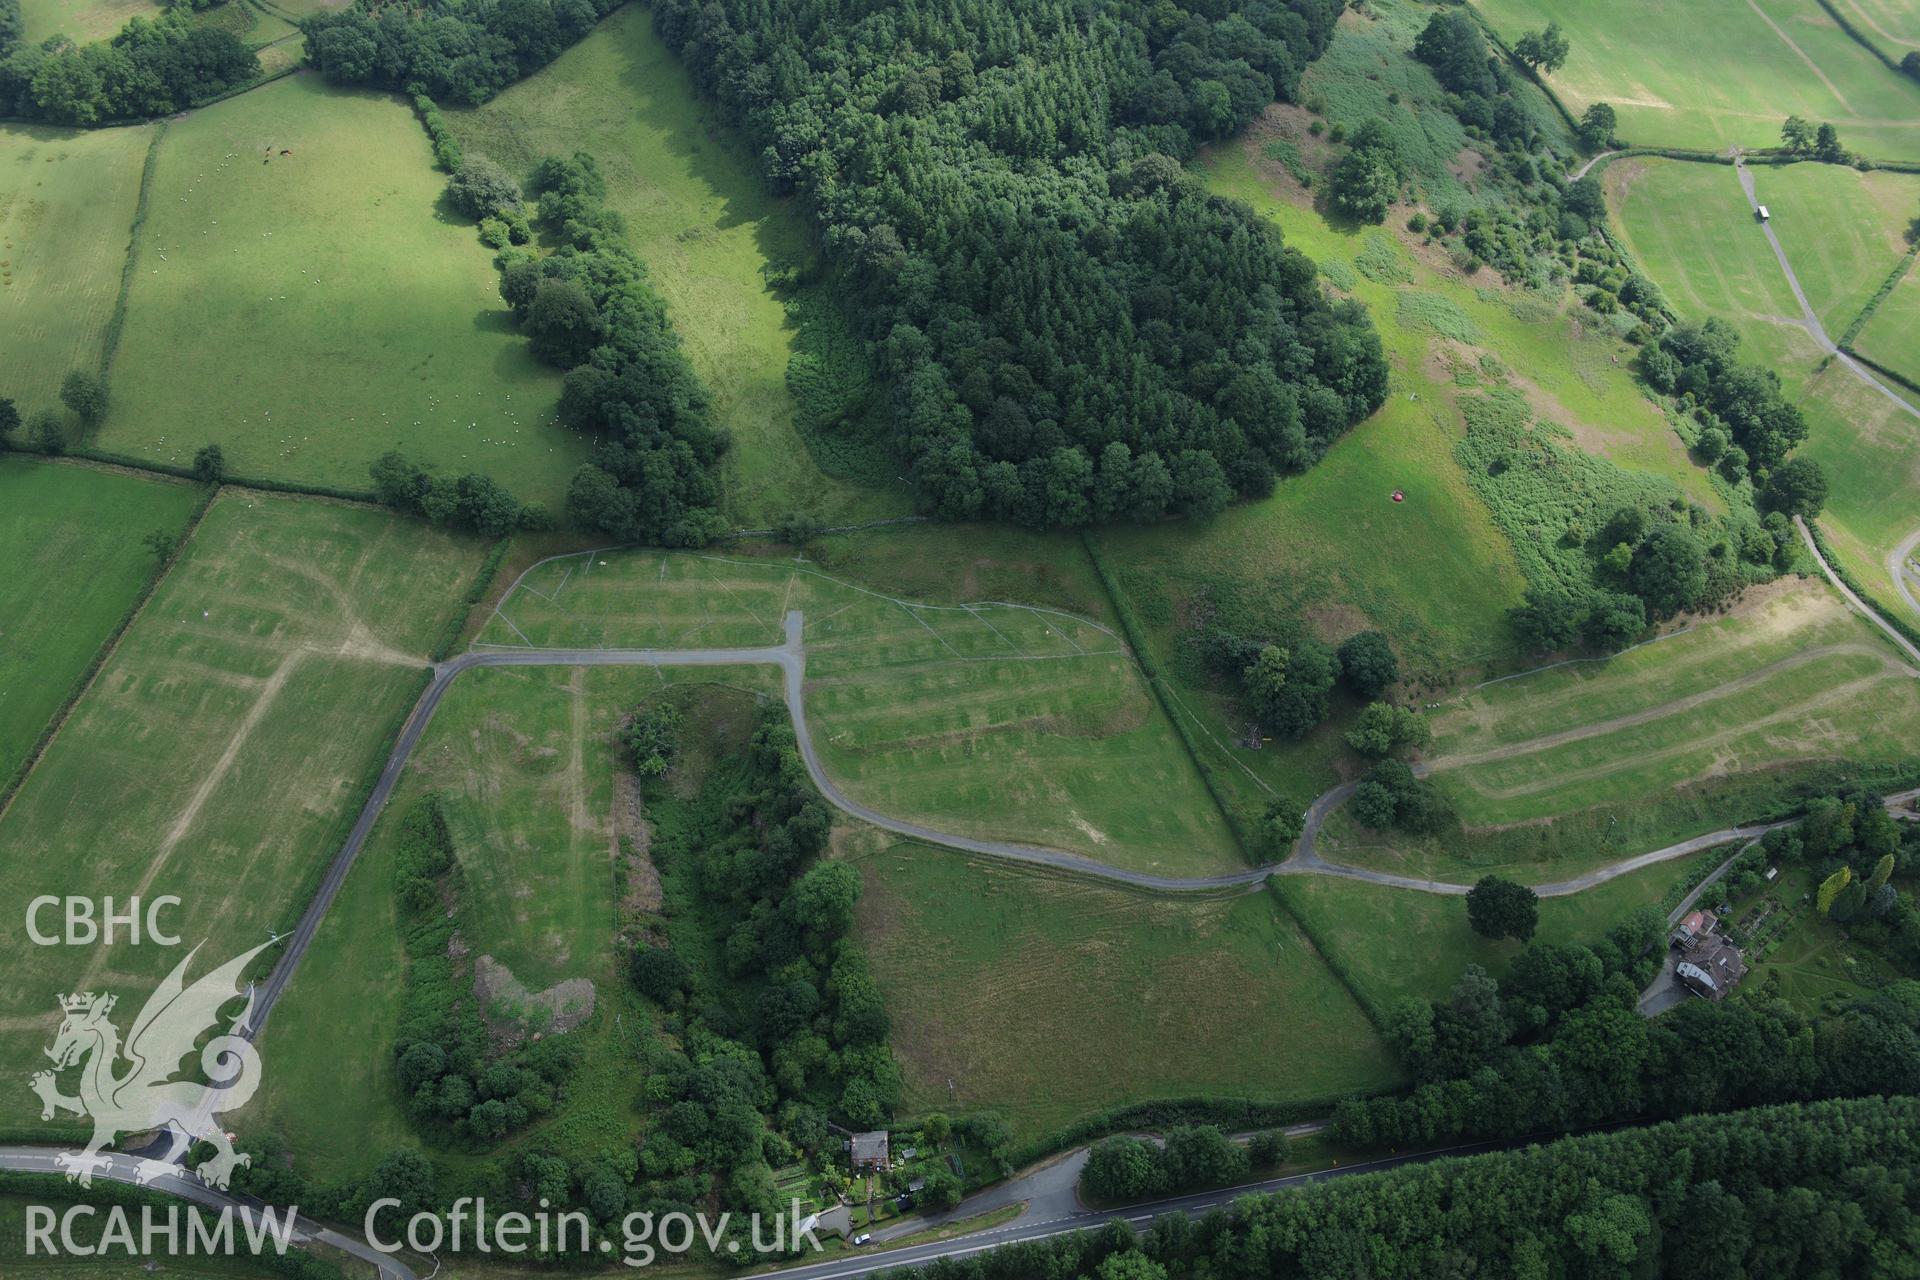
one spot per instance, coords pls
(225, 747)
(299, 298)
(988, 719)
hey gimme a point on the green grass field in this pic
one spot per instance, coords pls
(309, 311)
(1010, 720)
(1711, 74)
(1791, 677)
(1048, 999)
(1330, 547)
(66, 202)
(81, 20)
(1395, 943)
(76, 564)
(1841, 230)
(1689, 228)
(1570, 768)
(698, 215)
(224, 748)
(526, 763)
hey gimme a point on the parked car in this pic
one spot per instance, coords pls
(865, 1237)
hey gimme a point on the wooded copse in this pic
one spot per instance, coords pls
(151, 67)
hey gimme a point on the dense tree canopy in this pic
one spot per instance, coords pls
(152, 67)
(1070, 328)
(1827, 1189)
(454, 52)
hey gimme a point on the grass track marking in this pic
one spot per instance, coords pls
(1693, 701)
(1568, 662)
(516, 630)
(989, 626)
(269, 693)
(718, 581)
(1839, 693)
(1812, 66)
(914, 614)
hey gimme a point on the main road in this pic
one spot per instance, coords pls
(1048, 1196)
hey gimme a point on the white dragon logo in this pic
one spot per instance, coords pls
(144, 1096)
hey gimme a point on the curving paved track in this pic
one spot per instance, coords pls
(1872, 615)
(790, 657)
(155, 1176)
(1897, 569)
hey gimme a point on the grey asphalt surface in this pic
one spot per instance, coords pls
(1897, 569)
(1052, 1217)
(1052, 1209)
(1905, 645)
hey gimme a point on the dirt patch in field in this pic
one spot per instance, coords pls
(1599, 440)
(514, 1014)
(1334, 622)
(1467, 165)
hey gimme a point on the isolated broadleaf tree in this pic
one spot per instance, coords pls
(1544, 52)
(85, 394)
(1499, 908)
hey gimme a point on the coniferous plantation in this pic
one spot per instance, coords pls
(1072, 329)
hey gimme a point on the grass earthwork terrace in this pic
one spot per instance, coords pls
(1561, 770)
(1001, 719)
(299, 298)
(223, 750)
